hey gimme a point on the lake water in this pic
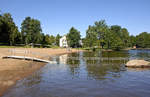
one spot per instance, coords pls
(76, 75)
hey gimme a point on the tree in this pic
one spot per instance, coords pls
(47, 40)
(132, 41)
(116, 29)
(108, 39)
(36, 30)
(18, 38)
(91, 37)
(57, 39)
(116, 43)
(8, 29)
(143, 40)
(25, 30)
(96, 34)
(100, 34)
(116, 40)
(73, 38)
(125, 37)
(101, 29)
(52, 40)
(31, 30)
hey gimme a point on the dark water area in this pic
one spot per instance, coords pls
(76, 76)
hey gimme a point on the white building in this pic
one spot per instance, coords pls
(63, 41)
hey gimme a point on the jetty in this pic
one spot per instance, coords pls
(30, 58)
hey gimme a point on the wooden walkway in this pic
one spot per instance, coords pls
(30, 58)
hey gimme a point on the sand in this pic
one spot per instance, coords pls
(12, 70)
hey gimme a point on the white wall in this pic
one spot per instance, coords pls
(63, 42)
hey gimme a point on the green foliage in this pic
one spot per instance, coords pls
(125, 37)
(47, 40)
(8, 29)
(18, 38)
(73, 38)
(96, 34)
(132, 41)
(57, 39)
(100, 34)
(91, 37)
(143, 40)
(31, 31)
(52, 40)
(100, 28)
(116, 43)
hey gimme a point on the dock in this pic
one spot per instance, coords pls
(30, 58)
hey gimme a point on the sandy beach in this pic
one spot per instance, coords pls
(12, 70)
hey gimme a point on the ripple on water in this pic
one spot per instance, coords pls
(86, 80)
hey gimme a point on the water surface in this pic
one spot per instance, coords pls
(78, 77)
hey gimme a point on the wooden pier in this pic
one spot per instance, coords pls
(31, 59)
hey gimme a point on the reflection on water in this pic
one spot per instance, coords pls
(87, 78)
(35, 79)
(140, 54)
(62, 59)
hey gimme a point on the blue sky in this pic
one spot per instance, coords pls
(58, 16)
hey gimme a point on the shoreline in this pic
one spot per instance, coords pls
(18, 75)
(125, 49)
(12, 70)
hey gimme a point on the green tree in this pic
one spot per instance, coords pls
(31, 30)
(25, 30)
(52, 40)
(73, 38)
(108, 39)
(115, 29)
(101, 28)
(42, 39)
(116, 43)
(18, 38)
(36, 30)
(8, 29)
(57, 39)
(91, 37)
(47, 40)
(132, 41)
(116, 40)
(143, 40)
(96, 34)
(125, 37)
(100, 34)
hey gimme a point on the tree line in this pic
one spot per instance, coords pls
(31, 32)
(114, 37)
(98, 35)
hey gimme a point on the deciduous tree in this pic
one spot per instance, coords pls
(31, 30)
(73, 37)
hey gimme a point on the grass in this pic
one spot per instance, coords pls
(14, 47)
(85, 48)
(55, 47)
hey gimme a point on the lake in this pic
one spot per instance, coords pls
(87, 74)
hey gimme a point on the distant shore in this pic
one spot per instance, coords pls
(126, 49)
(12, 70)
